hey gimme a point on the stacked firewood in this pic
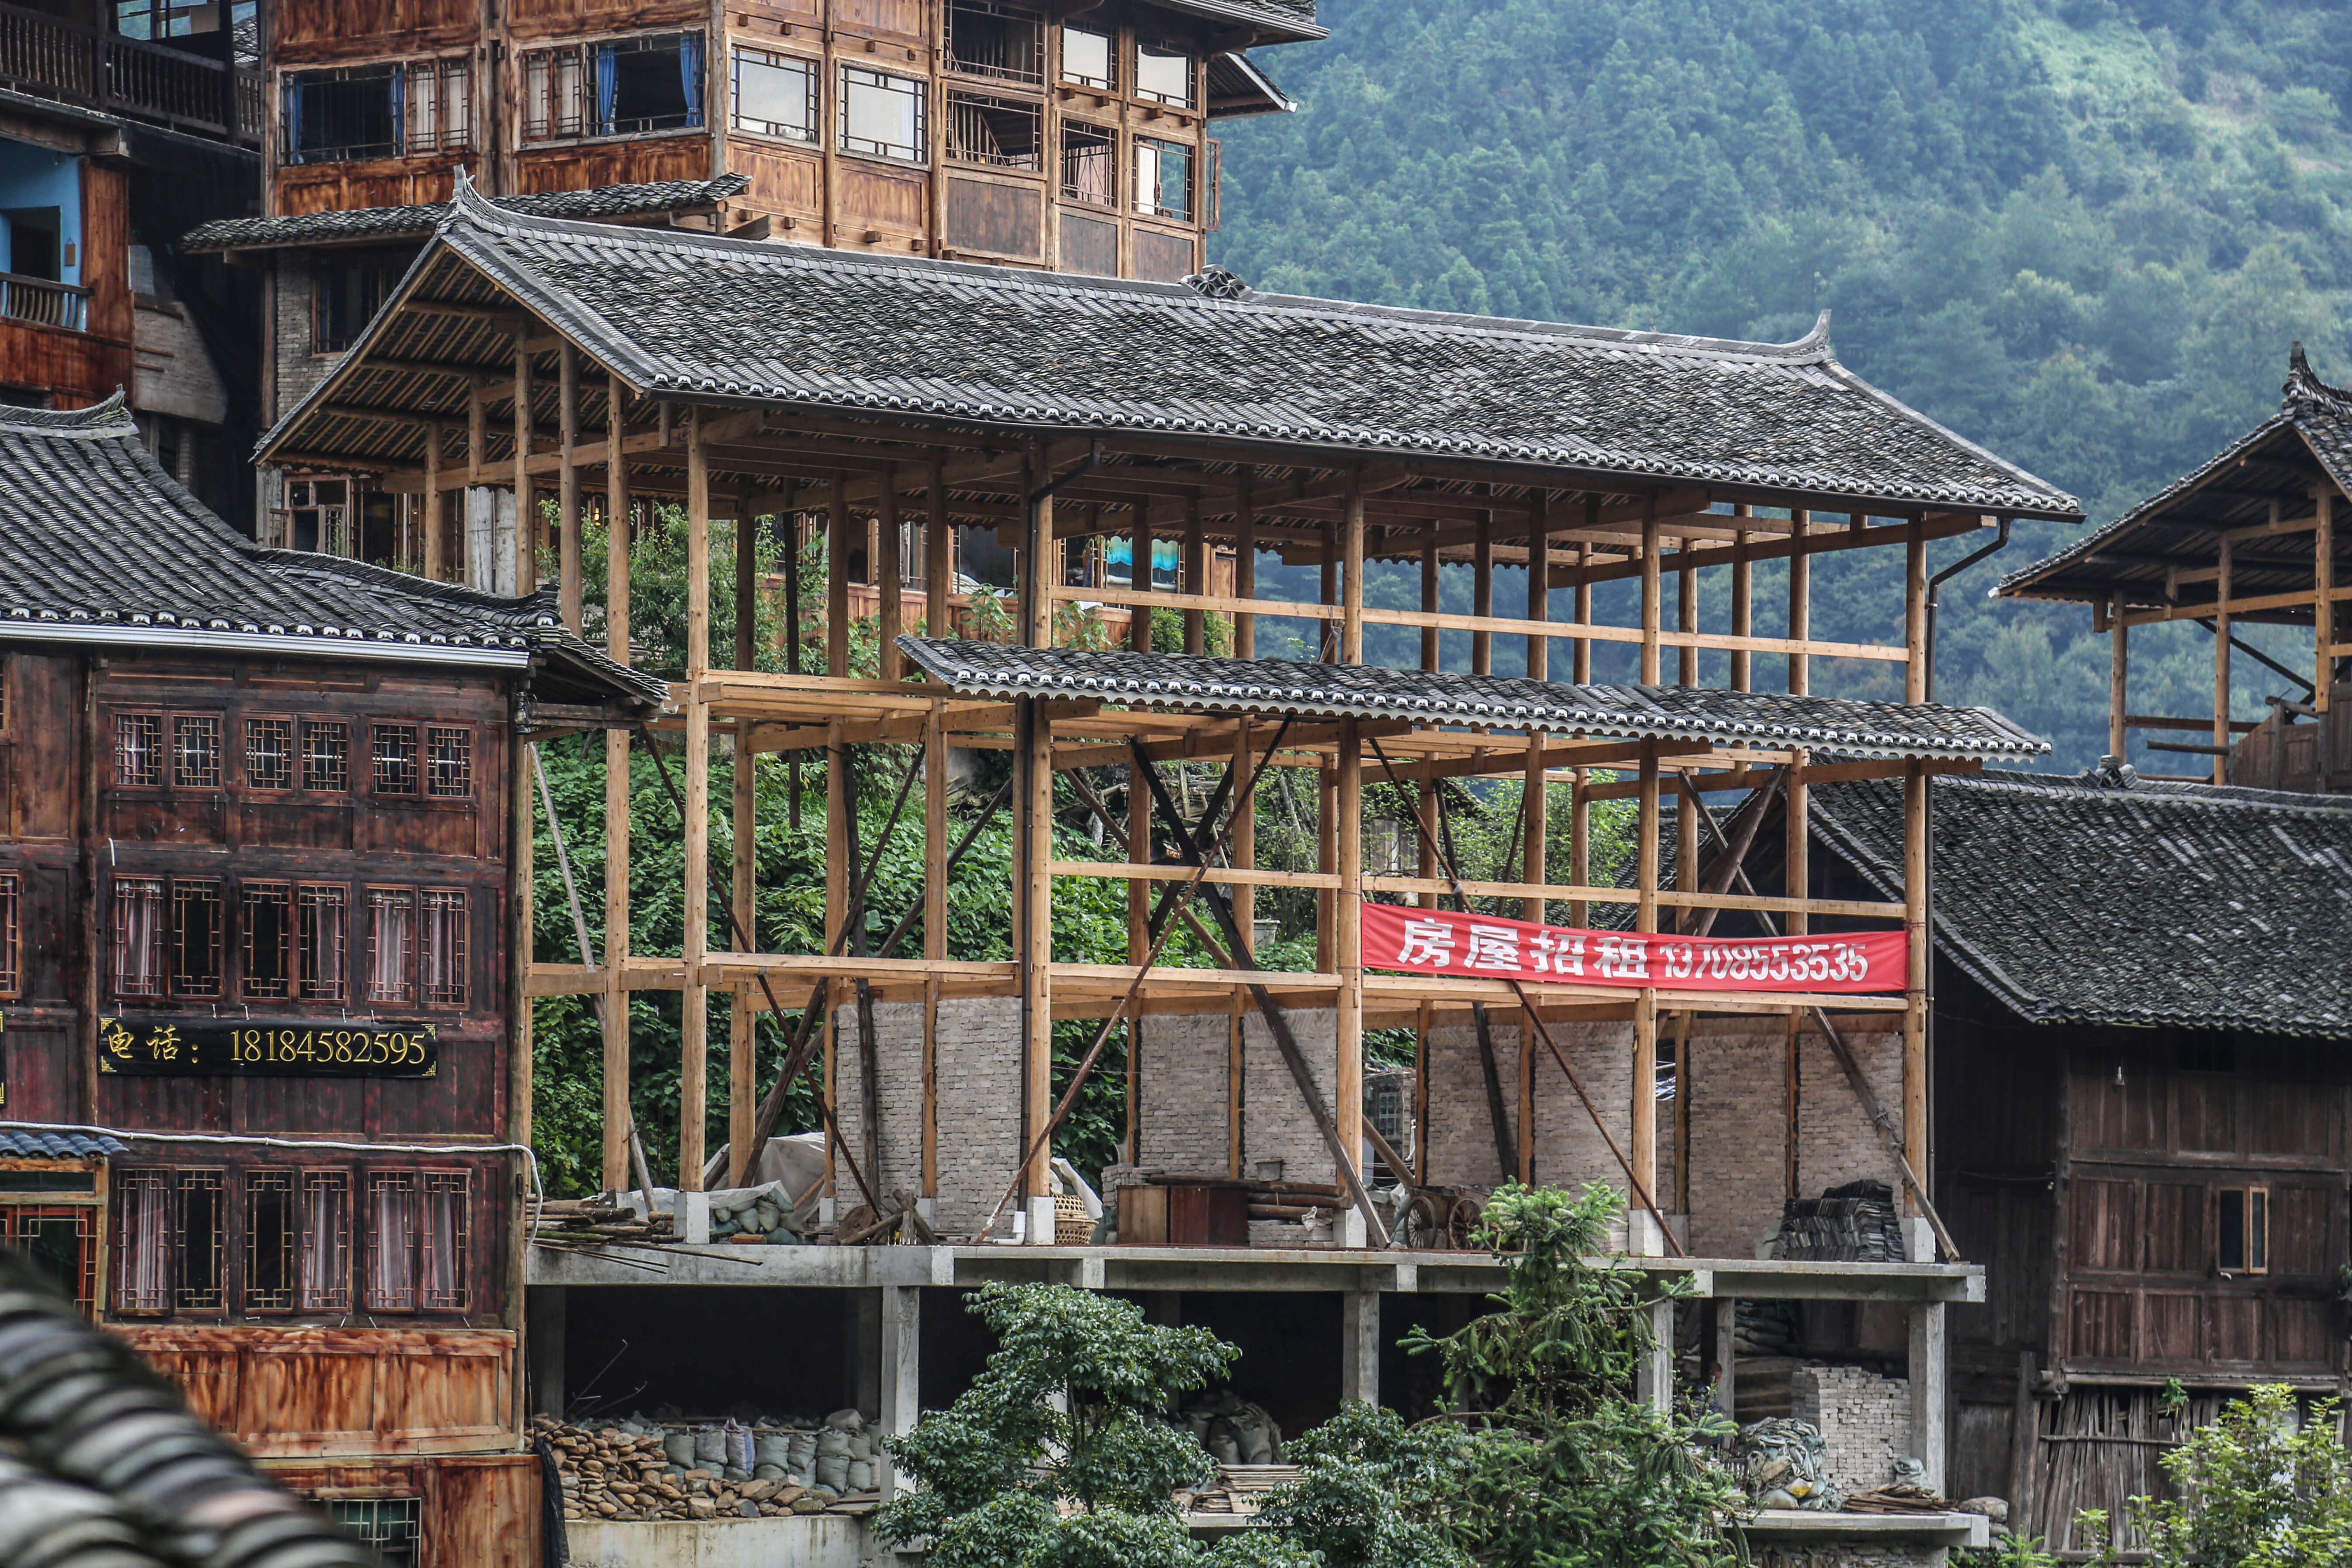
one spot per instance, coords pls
(627, 1473)
(590, 1221)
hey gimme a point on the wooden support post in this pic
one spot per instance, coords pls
(1036, 928)
(836, 578)
(888, 575)
(743, 1031)
(1686, 619)
(478, 428)
(526, 539)
(1581, 657)
(1525, 1096)
(1139, 578)
(2221, 594)
(1327, 860)
(1914, 995)
(1327, 647)
(1348, 1073)
(1580, 809)
(693, 1092)
(1245, 561)
(2118, 678)
(432, 503)
(939, 557)
(1915, 612)
(1534, 797)
(1643, 1153)
(522, 822)
(1196, 574)
(1481, 593)
(935, 900)
(1138, 842)
(1801, 603)
(1241, 851)
(1431, 643)
(840, 857)
(1651, 605)
(617, 1115)
(2323, 612)
(1426, 806)
(1538, 581)
(567, 491)
(1351, 572)
(1743, 606)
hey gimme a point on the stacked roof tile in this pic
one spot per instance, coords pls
(2090, 902)
(417, 221)
(18, 1143)
(688, 315)
(1191, 683)
(99, 544)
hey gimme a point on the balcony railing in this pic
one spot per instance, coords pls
(52, 57)
(44, 301)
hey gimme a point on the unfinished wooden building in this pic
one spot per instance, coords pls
(257, 879)
(2248, 538)
(740, 380)
(2140, 1111)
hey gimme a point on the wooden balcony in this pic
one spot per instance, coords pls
(44, 301)
(52, 57)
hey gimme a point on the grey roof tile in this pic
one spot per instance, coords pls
(99, 544)
(1191, 683)
(29, 1145)
(681, 313)
(417, 221)
(2079, 902)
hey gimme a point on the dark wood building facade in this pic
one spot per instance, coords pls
(2141, 1097)
(258, 878)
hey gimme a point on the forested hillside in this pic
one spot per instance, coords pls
(2082, 232)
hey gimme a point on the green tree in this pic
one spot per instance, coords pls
(2268, 1485)
(1567, 1469)
(1058, 1454)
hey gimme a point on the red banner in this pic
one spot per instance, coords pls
(1439, 941)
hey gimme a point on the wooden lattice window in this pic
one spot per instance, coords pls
(444, 1242)
(1089, 58)
(12, 931)
(1000, 133)
(61, 1240)
(199, 1231)
(139, 748)
(143, 1214)
(449, 761)
(391, 945)
(322, 914)
(269, 909)
(195, 751)
(395, 759)
(443, 953)
(391, 1527)
(1164, 74)
(2242, 1231)
(392, 1241)
(140, 956)
(1089, 163)
(269, 1240)
(989, 38)
(323, 1278)
(270, 754)
(195, 937)
(325, 755)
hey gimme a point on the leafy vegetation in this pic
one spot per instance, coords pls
(2080, 232)
(2268, 1485)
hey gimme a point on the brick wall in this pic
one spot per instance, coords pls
(978, 1068)
(1865, 1421)
(1738, 1083)
(1275, 1123)
(1461, 1128)
(299, 370)
(1836, 1142)
(1181, 1086)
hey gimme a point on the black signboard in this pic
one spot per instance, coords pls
(268, 1047)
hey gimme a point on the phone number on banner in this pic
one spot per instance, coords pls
(1440, 941)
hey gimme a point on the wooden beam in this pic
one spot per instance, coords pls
(837, 581)
(888, 573)
(525, 539)
(618, 1116)
(693, 1100)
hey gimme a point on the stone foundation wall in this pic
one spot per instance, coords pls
(1886, 1554)
(1865, 1421)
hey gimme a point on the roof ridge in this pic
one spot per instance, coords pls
(2303, 393)
(107, 419)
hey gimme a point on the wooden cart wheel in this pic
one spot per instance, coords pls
(1463, 1221)
(1424, 1223)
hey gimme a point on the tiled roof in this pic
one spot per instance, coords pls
(419, 221)
(99, 544)
(2309, 408)
(20, 1145)
(1293, 19)
(1239, 85)
(1194, 684)
(686, 315)
(2082, 902)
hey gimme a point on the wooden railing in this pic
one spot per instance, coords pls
(53, 57)
(45, 301)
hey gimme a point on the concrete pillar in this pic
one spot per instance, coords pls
(1360, 1346)
(545, 1311)
(1654, 1382)
(863, 1385)
(901, 1367)
(1930, 1390)
(1727, 1355)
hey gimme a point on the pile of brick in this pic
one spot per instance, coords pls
(1238, 1489)
(628, 1470)
(1864, 1418)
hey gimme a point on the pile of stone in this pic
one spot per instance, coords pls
(1851, 1224)
(632, 1469)
(1234, 1431)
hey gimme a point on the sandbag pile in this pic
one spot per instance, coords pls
(1765, 1327)
(629, 1470)
(1781, 1466)
(1234, 1431)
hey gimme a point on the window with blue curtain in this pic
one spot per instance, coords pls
(689, 77)
(608, 88)
(294, 120)
(399, 85)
